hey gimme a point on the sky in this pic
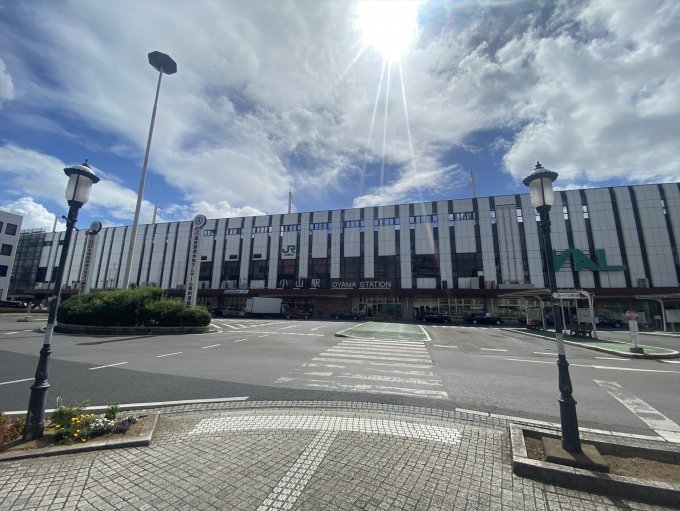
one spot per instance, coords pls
(344, 103)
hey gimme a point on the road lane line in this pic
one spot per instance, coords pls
(657, 421)
(211, 346)
(324, 365)
(169, 354)
(241, 340)
(544, 353)
(671, 361)
(597, 366)
(110, 365)
(16, 381)
(491, 349)
(614, 358)
(442, 346)
(10, 333)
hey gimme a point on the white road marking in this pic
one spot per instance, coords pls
(16, 381)
(596, 366)
(657, 421)
(392, 364)
(413, 355)
(382, 347)
(241, 340)
(211, 346)
(10, 333)
(324, 365)
(291, 485)
(110, 365)
(376, 342)
(671, 361)
(491, 349)
(377, 357)
(169, 354)
(442, 346)
(263, 336)
(544, 353)
(375, 389)
(375, 377)
(29, 330)
(614, 358)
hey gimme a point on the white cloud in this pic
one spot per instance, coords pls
(6, 85)
(35, 215)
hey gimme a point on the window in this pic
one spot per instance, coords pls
(320, 227)
(6, 249)
(3, 270)
(287, 228)
(351, 268)
(233, 256)
(585, 211)
(205, 270)
(208, 232)
(1, 224)
(11, 229)
(565, 211)
(451, 219)
(493, 216)
(257, 230)
(47, 244)
(234, 231)
(354, 223)
(470, 215)
(257, 256)
(520, 218)
(41, 275)
(663, 207)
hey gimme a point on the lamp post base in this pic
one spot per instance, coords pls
(571, 441)
(35, 420)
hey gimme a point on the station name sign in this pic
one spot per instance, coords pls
(581, 261)
(361, 284)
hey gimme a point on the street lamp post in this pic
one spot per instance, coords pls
(81, 179)
(540, 183)
(164, 65)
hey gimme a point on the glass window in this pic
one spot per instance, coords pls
(493, 217)
(6, 249)
(3, 270)
(11, 229)
(585, 211)
(520, 218)
(565, 211)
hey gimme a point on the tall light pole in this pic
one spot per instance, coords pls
(163, 64)
(540, 183)
(81, 179)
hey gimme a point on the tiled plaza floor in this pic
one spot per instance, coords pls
(298, 455)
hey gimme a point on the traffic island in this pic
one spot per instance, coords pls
(641, 473)
(45, 446)
(61, 328)
(385, 332)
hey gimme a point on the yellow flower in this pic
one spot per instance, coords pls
(83, 440)
(75, 435)
(77, 431)
(57, 426)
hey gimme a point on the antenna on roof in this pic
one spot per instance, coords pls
(290, 199)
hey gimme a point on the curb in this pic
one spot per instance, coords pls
(674, 354)
(652, 492)
(141, 440)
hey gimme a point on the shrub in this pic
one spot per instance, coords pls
(112, 411)
(145, 306)
(122, 427)
(74, 426)
(9, 429)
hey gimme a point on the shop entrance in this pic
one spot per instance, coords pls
(381, 307)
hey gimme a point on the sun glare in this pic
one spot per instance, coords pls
(389, 26)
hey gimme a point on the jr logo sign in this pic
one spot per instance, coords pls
(288, 252)
(581, 261)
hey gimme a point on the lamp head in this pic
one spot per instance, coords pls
(540, 186)
(162, 63)
(80, 181)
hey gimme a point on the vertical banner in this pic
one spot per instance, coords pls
(85, 276)
(194, 260)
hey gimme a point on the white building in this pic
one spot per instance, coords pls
(10, 227)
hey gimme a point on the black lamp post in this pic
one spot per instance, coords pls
(81, 179)
(540, 183)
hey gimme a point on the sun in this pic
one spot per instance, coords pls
(389, 26)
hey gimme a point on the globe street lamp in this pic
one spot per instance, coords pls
(81, 179)
(540, 183)
(164, 65)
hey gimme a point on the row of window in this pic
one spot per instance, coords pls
(10, 229)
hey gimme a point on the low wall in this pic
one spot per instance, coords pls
(129, 330)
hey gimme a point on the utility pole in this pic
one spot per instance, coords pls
(54, 227)
(290, 200)
(473, 183)
(155, 208)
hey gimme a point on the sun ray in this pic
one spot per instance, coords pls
(370, 131)
(408, 127)
(387, 103)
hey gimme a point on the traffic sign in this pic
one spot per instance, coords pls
(568, 296)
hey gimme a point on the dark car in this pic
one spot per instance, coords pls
(345, 314)
(605, 321)
(12, 304)
(483, 319)
(295, 313)
(432, 317)
(215, 311)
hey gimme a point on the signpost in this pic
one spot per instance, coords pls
(194, 260)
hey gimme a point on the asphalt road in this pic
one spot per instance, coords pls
(469, 367)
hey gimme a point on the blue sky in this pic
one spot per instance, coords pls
(278, 95)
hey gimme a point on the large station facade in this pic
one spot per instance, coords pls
(454, 256)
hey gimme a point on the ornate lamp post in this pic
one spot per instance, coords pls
(164, 65)
(81, 179)
(540, 183)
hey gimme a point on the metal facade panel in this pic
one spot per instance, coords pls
(181, 256)
(462, 205)
(320, 243)
(232, 247)
(319, 216)
(352, 214)
(167, 274)
(605, 237)
(369, 259)
(636, 267)
(235, 223)
(137, 253)
(673, 209)
(405, 248)
(274, 251)
(424, 238)
(579, 233)
(486, 239)
(75, 258)
(245, 251)
(104, 260)
(116, 260)
(148, 251)
(466, 240)
(304, 246)
(290, 219)
(260, 242)
(421, 208)
(560, 242)
(220, 242)
(261, 221)
(387, 240)
(335, 244)
(531, 227)
(655, 233)
(159, 247)
(509, 244)
(352, 245)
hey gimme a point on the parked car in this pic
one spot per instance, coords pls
(295, 313)
(233, 312)
(605, 321)
(483, 319)
(345, 314)
(12, 304)
(432, 317)
(215, 311)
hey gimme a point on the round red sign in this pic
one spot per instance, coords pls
(631, 314)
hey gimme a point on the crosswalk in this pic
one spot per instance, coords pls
(371, 366)
(236, 324)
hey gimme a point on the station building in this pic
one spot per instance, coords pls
(10, 228)
(454, 256)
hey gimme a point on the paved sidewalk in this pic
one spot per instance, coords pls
(302, 456)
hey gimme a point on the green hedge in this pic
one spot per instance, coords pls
(147, 306)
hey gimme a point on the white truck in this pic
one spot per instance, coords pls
(261, 307)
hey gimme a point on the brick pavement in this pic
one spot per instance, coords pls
(302, 456)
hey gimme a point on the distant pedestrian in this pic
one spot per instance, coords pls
(320, 313)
